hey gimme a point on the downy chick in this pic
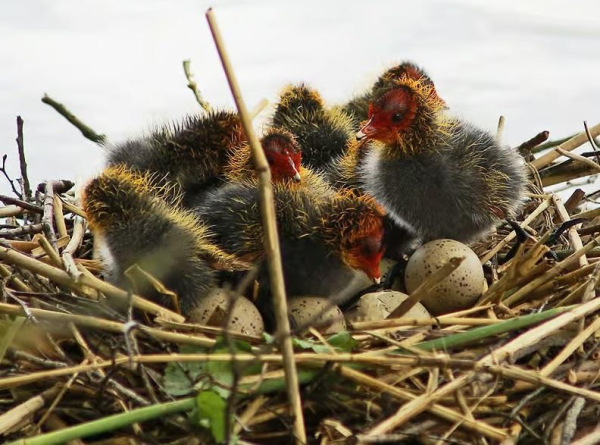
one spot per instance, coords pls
(324, 242)
(133, 226)
(190, 154)
(436, 175)
(321, 133)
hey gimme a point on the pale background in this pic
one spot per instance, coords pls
(117, 63)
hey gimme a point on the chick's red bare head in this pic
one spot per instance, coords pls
(360, 228)
(389, 115)
(283, 154)
(365, 253)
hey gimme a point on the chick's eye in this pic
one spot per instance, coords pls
(397, 117)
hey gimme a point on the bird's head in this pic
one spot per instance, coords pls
(283, 154)
(404, 113)
(356, 230)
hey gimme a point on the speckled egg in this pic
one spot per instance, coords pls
(319, 312)
(379, 305)
(460, 290)
(212, 311)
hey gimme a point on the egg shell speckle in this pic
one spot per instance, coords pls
(211, 311)
(304, 310)
(460, 290)
(379, 305)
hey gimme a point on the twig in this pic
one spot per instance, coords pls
(591, 141)
(582, 159)
(11, 182)
(570, 145)
(271, 238)
(192, 85)
(418, 405)
(500, 129)
(22, 161)
(24, 230)
(59, 217)
(72, 246)
(48, 217)
(570, 425)
(258, 108)
(26, 409)
(535, 141)
(87, 132)
(25, 205)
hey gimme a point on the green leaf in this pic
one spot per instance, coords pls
(343, 342)
(307, 344)
(212, 409)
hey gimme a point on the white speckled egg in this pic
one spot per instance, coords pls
(211, 311)
(379, 305)
(319, 312)
(460, 290)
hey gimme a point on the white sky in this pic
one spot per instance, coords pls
(117, 64)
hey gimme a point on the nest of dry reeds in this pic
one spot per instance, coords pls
(81, 360)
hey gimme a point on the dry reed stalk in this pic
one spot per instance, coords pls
(569, 145)
(574, 237)
(25, 410)
(24, 205)
(59, 217)
(500, 129)
(578, 158)
(14, 281)
(48, 217)
(436, 409)
(530, 218)
(409, 322)
(258, 108)
(22, 160)
(567, 171)
(427, 286)
(243, 421)
(418, 405)
(71, 248)
(87, 280)
(566, 263)
(10, 211)
(72, 208)
(52, 255)
(273, 255)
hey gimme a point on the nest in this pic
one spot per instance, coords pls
(82, 359)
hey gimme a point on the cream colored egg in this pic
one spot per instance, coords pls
(379, 305)
(317, 312)
(212, 311)
(460, 290)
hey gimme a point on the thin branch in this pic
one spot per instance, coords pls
(192, 85)
(48, 217)
(27, 206)
(22, 161)
(11, 182)
(591, 141)
(87, 132)
(570, 145)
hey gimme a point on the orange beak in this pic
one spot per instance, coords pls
(366, 131)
